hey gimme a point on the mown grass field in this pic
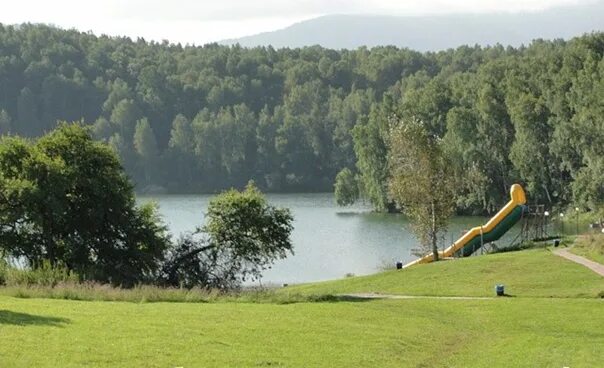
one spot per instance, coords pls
(503, 332)
(555, 320)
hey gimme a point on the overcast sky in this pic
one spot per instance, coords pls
(202, 21)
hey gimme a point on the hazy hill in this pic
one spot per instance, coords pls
(426, 33)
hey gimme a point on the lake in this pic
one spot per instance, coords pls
(329, 241)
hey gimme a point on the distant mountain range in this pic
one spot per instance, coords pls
(431, 33)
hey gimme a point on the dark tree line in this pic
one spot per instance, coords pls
(532, 115)
(207, 118)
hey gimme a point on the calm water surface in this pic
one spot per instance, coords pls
(329, 241)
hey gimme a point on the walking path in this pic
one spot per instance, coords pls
(392, 296)
(594, 266)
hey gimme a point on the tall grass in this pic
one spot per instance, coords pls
(590, 246)
(46, 276)
(59, 283)
(88, 291)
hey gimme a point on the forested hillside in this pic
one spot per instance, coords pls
(207, 118)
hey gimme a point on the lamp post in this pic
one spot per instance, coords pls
(546, 214)
(562, 222)
(577, 220)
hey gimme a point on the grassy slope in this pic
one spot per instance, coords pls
(479, 333)
(590, 246)
(531, 273)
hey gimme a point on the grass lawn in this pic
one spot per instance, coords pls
(530, 273)
(555, 321)
(590, 246)
(506, 332)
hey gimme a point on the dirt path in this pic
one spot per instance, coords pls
(594, 266)
(392, 296)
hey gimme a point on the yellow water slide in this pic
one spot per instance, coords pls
(494, 229)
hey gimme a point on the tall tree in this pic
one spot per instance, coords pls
(421, 181)
(5, 123)
(370, 144)
(27, 114)
(346, 188)
(145, 145)
(66, 200)
(124, 117)
(182, 151)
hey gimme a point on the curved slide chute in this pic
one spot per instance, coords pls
(498, 225)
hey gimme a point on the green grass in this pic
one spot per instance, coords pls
(530, 273)
(389, 333)
(555, 321)
(590, 246)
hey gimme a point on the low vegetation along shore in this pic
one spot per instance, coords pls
(525, 274)
(552, 318)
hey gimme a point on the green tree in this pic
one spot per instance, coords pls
(181, 136)
(5, 123)
(66, 200)
(267, 158)
(182, 151)
(244, 235)
(27, 114)
(370, 145)
(118, 91)
(469, 161)
(124, 117)
(145, 145)
(421, 181)
(530, 151)
(346, 188)
(102, 129)
(226, 144)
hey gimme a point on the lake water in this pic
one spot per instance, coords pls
(329, 241)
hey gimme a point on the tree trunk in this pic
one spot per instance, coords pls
(50, 250)
(549, 198)
(49, 241)
(433, 234)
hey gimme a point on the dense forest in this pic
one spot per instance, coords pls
(201, 119)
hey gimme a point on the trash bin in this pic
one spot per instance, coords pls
(500, 290)
(399, 265)
(556, 242)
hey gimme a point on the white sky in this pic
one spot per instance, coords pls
(203, 21)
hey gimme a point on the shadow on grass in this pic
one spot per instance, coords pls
(24, 319)
(339, 298)
(321, 298)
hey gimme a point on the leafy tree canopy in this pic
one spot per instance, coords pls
(421, 181)
(243, 235)
(65, 199)
(292, 119)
